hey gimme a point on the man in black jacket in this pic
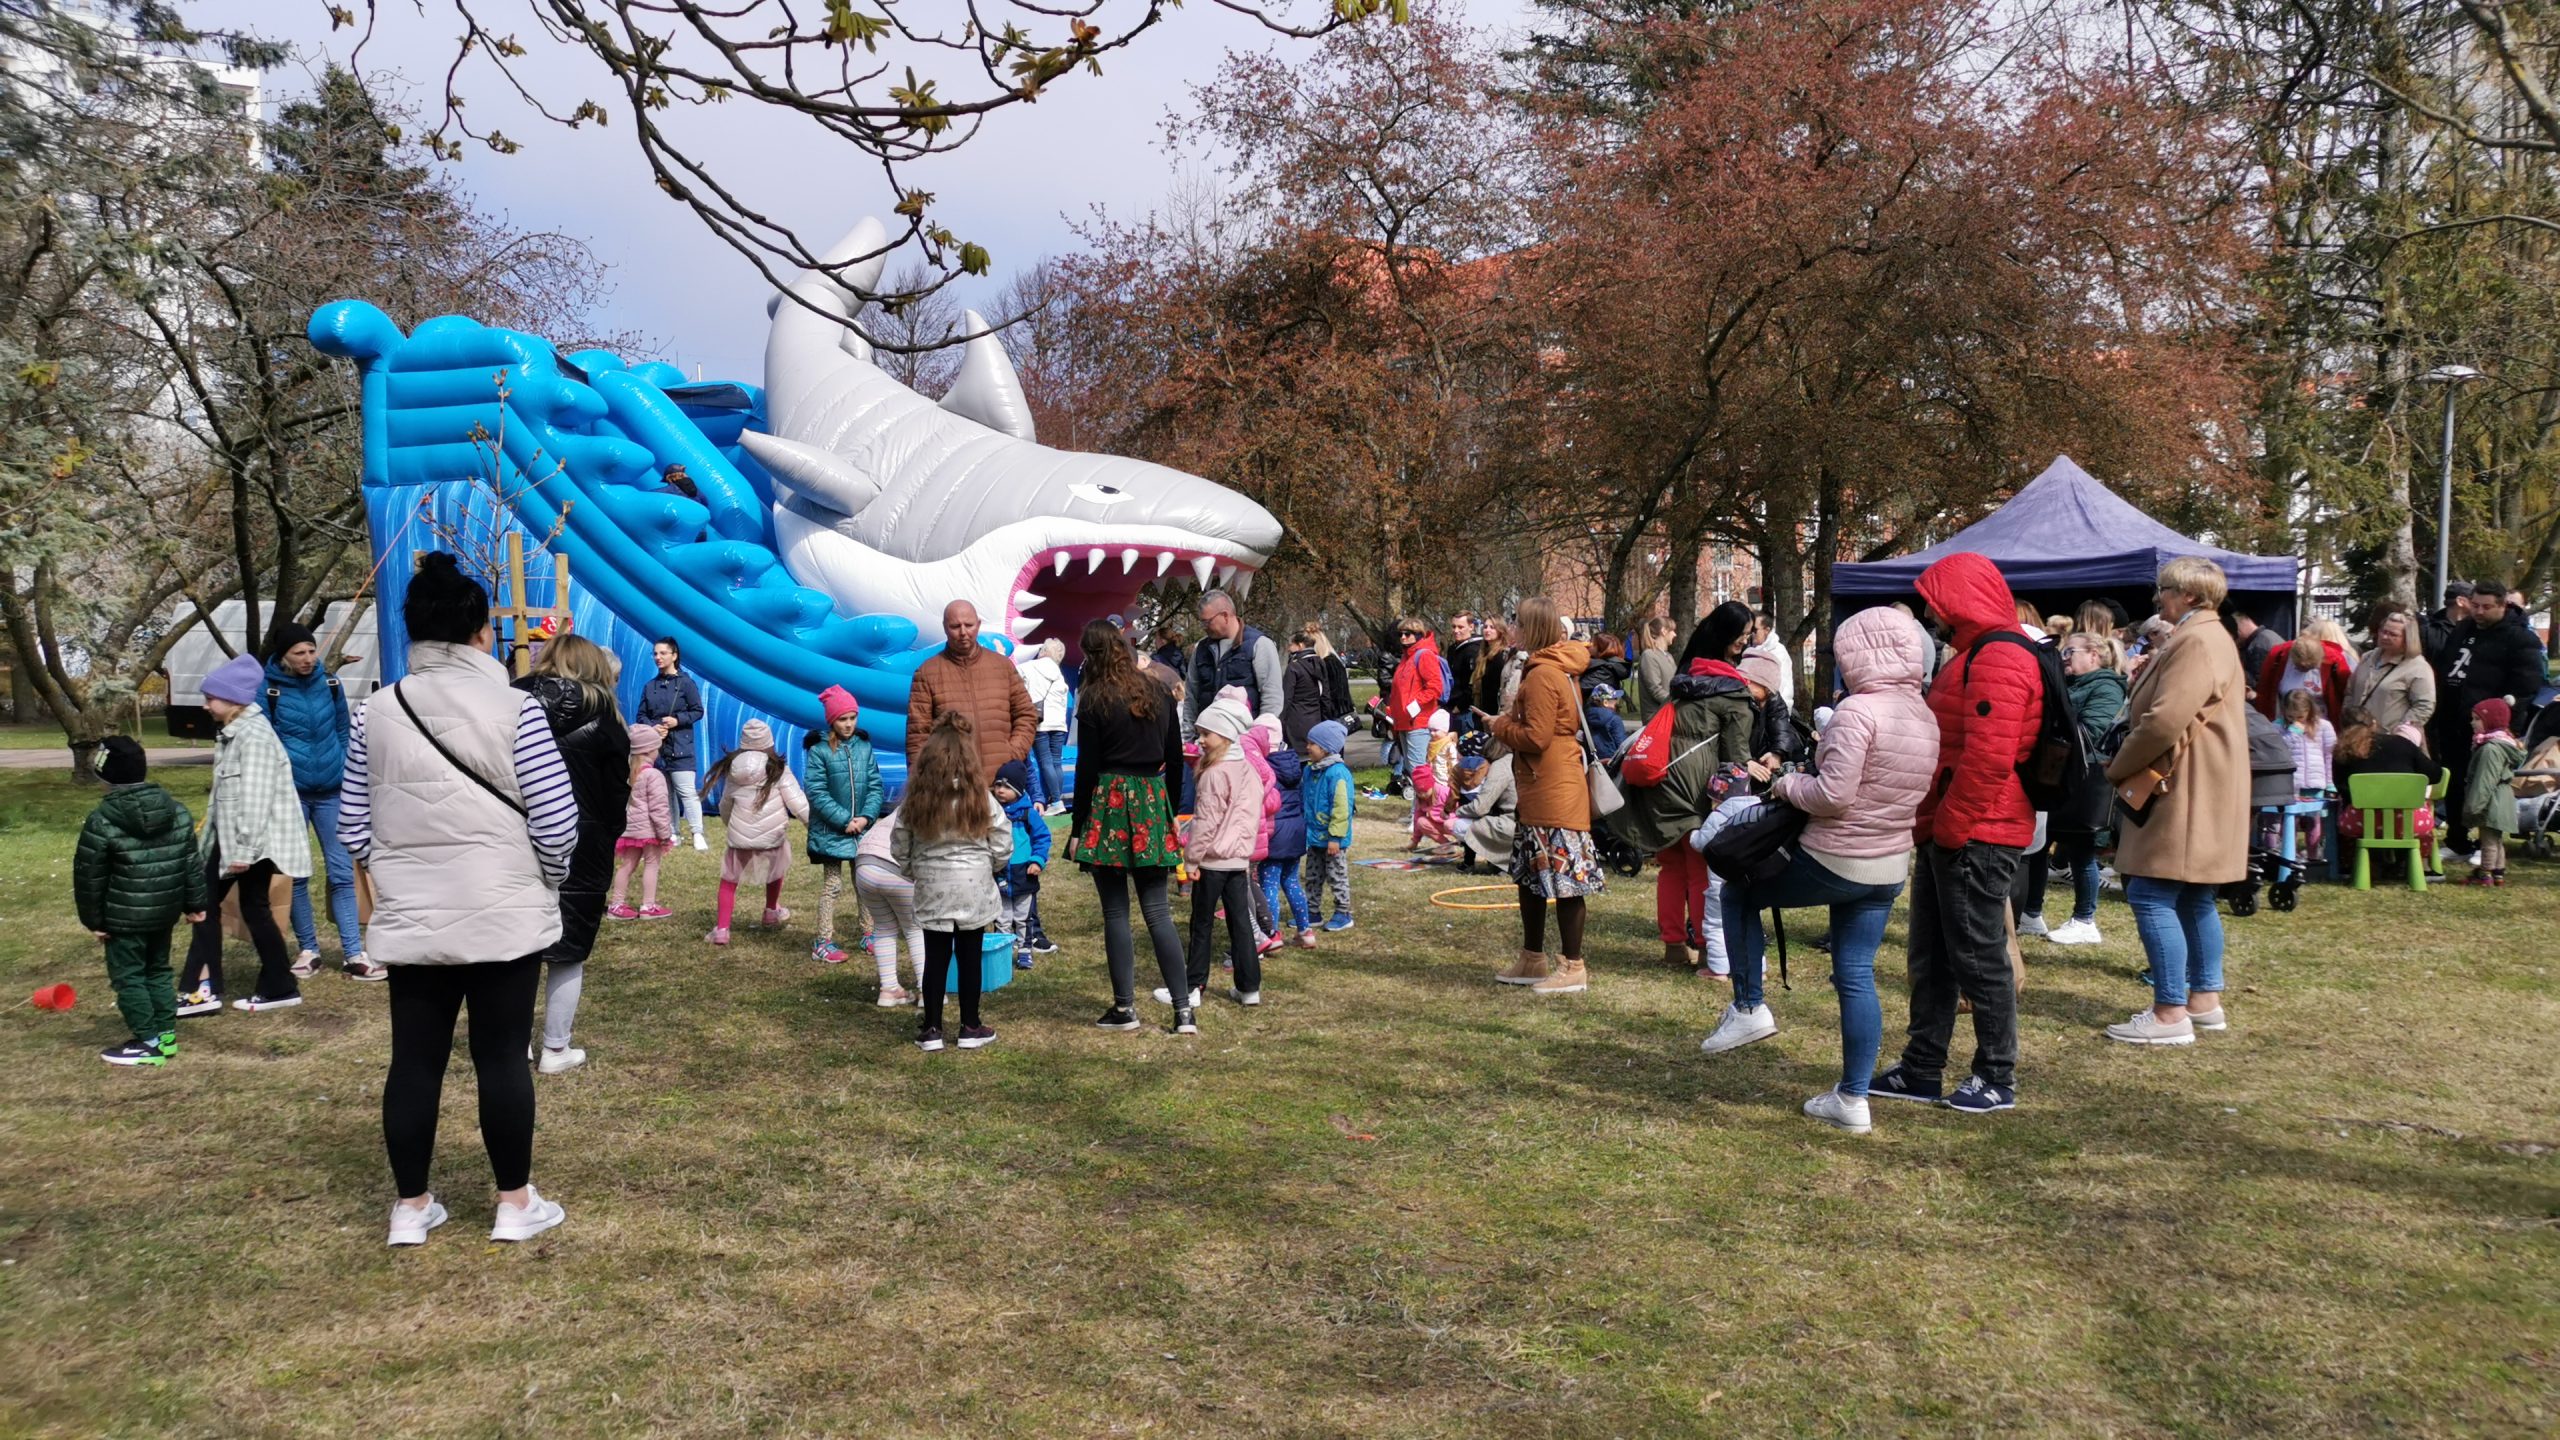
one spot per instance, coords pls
(2435, 633)
(2492, 654)
(1466, 651)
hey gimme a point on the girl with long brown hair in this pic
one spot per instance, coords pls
(952, 840)
(1128, 769)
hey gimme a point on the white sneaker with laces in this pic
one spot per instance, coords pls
(523, 1222)
(2032, 925)
(2147, 1028)
(1847, 1112)
(2074, 932)
(410, 1223)
(1740, 1027)
(555, 1062)
(1165, 997)
(2208, 1020)
(699, 842)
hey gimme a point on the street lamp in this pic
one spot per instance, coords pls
(2452, 378)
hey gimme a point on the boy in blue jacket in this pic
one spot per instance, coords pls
(1021, 884)
(1326, 799)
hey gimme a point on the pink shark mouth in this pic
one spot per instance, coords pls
(1062, 588)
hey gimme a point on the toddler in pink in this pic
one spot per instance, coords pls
(648, 829)
(758, 801)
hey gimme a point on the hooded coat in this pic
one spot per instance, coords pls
(760, 815)
(135, 870)
(1880, 753)
(596, 746)
(1414, 691)
(2336, 676)
(844, 781)
(1988, 712)
(1710, 728)
(2098, 699)
(1306, 699)
(1543, 730)
(1289, 823)
(2188, 714)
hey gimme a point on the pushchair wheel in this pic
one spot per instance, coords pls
(2283, 897)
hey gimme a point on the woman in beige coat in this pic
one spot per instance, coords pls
(2186, 719)
(2395, 684)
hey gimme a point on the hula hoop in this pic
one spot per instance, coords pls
(1447, 904)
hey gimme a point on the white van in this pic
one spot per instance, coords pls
(197, 654)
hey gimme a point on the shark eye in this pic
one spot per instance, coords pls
(1098, 494)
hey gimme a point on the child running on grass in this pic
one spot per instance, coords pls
(1327, 799)
(953, 841)
(648, 830)
(1226, 814)
(845, 799)
(133, 876)
(758, 802)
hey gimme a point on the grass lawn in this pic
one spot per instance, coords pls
(1395, 1201)
(155, 734)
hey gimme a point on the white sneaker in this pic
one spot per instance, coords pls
(2074, 932)
(556, 1061)
(2032, 925)
(2208, 1020)
(894, 999)
(523, 1222)
(410, 1224)
(699, 843)
(2146, 1028)
(1245, 997)
(1739, 1028)
(1165, 997)
(1848, 1112)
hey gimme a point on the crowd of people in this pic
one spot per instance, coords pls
(476, 831)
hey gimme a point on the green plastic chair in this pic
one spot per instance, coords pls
(2435, 852)
(2389, 804)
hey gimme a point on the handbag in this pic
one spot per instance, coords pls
(1606, 798)
(474, 776)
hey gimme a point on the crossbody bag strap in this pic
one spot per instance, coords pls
(474, 776)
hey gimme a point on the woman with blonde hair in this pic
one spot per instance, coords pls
(1552, 858)
(1655, 665)
(573, 679)
(2187, 742)
(2394, 684)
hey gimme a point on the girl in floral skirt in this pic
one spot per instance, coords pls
(1128, 768)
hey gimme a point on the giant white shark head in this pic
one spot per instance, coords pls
(893, 504)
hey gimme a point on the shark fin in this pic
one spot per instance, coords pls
(811, 473)
(987, 390)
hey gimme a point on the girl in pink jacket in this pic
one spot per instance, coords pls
(648, 829)
(1874, 767)
(1226, 818)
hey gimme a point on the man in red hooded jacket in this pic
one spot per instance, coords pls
(1972, 831)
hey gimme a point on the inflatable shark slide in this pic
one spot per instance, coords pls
(834, 511)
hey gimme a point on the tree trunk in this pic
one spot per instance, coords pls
(2392, 367)
(1681, 563)
(1782, 568)
(1826, 548)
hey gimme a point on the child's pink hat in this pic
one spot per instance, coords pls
(2494, 713)
(1439, 722)
(837, 700)
(645, 739)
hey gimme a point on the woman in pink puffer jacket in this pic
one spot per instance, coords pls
(1873, 769)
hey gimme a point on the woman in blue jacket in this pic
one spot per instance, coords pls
(673, 703)
(309, 712)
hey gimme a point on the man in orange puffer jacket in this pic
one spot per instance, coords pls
(1972, 832)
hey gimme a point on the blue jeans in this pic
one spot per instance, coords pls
(2080, 857)
(1858, 913)
(1278, 878)
(320, 812)
(1049, 748)
(1407, 754)
(2181, 936)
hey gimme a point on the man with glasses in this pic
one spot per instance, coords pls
(1233, 653)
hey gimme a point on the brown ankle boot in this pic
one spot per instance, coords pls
(1529, 969)
(1680, 955)
(1570, 978)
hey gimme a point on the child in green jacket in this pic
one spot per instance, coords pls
(133, 876)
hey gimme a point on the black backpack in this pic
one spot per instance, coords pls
(2060, 776)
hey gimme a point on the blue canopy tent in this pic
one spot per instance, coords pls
(2066, 538)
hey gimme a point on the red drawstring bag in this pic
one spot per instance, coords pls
(1648, 761)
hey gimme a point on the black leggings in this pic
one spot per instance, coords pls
(1533, 923)
(1111, 883)
(1230, 888)
(257, 912)
(425, 1000)
(940, 947)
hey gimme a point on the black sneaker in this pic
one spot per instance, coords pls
(133, 1052)
(1043, 945)
(976, 1037)
(929, 1039)
(1898, 1084)
(1118, 1017)
(1977, 1096)
(1184, 1024)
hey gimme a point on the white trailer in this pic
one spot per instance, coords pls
(197, 654)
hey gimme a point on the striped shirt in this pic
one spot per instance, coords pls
(542, 779)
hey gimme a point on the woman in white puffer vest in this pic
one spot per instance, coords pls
(458, 804)
(1872, 770)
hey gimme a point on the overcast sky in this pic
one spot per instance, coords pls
(1015, 189)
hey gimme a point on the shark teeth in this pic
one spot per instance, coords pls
(1244, 584)
(1164, 562)
(1028, 599)
(1201, 566)
(1093, 560)
(1128, 561)
(1022, 626)
(1061, 559)
(1226, 577)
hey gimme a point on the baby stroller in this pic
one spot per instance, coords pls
(2537, 788)
(2270, 785)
